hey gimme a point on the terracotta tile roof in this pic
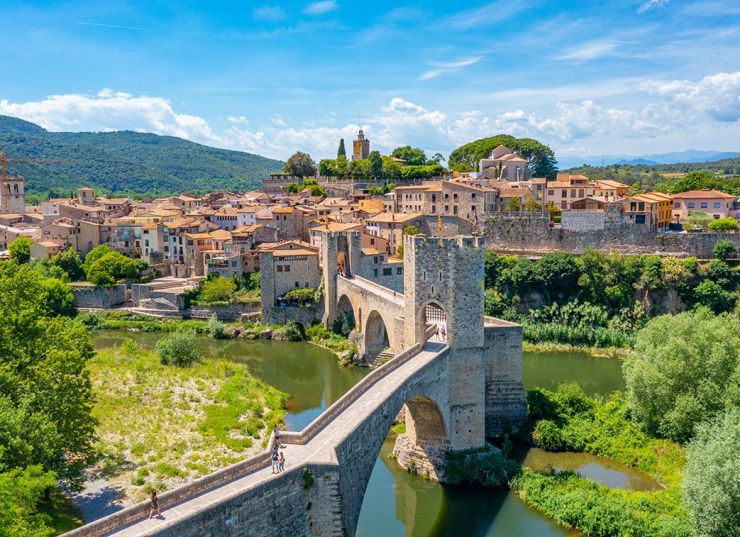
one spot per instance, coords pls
(703, 194)
(393, 217)
(296, 251)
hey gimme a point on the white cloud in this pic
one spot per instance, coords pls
(318, 8)
(651, 4)
(589, 51)
(487, 15)
(110, 110)
(442, 68)
(674, 111)
(237, 119)
(716, 95)
(269, 13)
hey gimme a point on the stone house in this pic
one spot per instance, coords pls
(505, 165)
(568, 188)
(286, 266)
(389, 226)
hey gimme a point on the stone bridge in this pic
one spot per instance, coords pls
(455, 391)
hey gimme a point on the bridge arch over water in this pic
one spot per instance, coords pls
(455, 392)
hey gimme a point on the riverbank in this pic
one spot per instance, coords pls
(569, 420)
(160, 426)
(595, 352)
(316, 334)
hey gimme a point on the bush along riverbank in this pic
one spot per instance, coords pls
(291, 331)
(569, 420)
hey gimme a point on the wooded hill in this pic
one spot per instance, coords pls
(126, 162)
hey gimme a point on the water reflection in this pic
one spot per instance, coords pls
(597, 376)
(604, 471)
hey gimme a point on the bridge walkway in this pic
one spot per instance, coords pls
(320, 449)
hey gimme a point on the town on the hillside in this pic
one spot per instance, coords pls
(185, 238)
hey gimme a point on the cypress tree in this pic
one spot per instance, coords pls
(341, 151)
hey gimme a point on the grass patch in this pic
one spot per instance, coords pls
(166, 425)
(244, 410)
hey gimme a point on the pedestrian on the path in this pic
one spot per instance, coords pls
(153, 504)
(276, 434)
(275, 467)
(281, 462)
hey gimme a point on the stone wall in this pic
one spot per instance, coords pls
(530, 233)
(583, 220)
(232, 312)
(89, 296)
(506, 400)
(306, 315)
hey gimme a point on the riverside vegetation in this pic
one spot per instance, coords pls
(603, 300)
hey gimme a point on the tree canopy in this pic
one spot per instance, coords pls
(685, 369)
(45, 392)
(300, 165)
(711, 488)
(540, 158)
(104, 267)
(20, 249)
(341, 152)
(413, 156)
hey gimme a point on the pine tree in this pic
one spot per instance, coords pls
(341, 151)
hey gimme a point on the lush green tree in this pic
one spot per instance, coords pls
(540, 158)
(413, 156)
(218, 289)
(376, 164)
(95, 254)
(293, 188)
(106, 269)
(712, 295)
(45, 386)
(20, 249)
(179, 348)
(724, 249)
(437, 158)
(462, 167)
(723, 225)
(411, 229)
(532, 205)
(559, 273)
(684, 370)
(391, 169)
(698, 219)
(300, 165)
(328, 168)
(69, 262)
(21, 492)
(359, 169)
(513, 204)
(341, 152)
(711, 486)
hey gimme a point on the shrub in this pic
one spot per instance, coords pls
(294, 331)
(723, 249)
(723, 225)
(178, 348)
(216, 290)
(487, 468)
(216, 328)
(301, 295)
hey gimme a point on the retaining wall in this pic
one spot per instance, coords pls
(89, 296)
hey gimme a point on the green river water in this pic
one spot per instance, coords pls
(396, 503)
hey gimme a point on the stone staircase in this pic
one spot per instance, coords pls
(382, 358)
(337, 528)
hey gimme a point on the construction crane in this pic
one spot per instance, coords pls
(4, 186)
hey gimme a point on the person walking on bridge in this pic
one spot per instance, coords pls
(153, 504)
(275, 466)
(281, 462)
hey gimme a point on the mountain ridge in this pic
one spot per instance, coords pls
(126, 162)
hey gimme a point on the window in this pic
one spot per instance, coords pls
(387, 271)
(434, 198)
(233, 264)
(677, 205)
(472, 196)
(564, 193)
(375, 259)
(146, 242)
(716, 205)
(434, 209)
(399, 270)
(279, 268)
(704, 205)
(447, 208)
(550, 192)
(580, 192)
(297, 285)
(454, 209)
(454, 196)
(690, 205)
(375, 272)
(287, 268)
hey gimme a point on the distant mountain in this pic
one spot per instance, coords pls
(126, 161)
(688, 156)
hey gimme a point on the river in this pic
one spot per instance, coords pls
(398, 504)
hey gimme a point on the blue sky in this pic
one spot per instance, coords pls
(618, 77)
